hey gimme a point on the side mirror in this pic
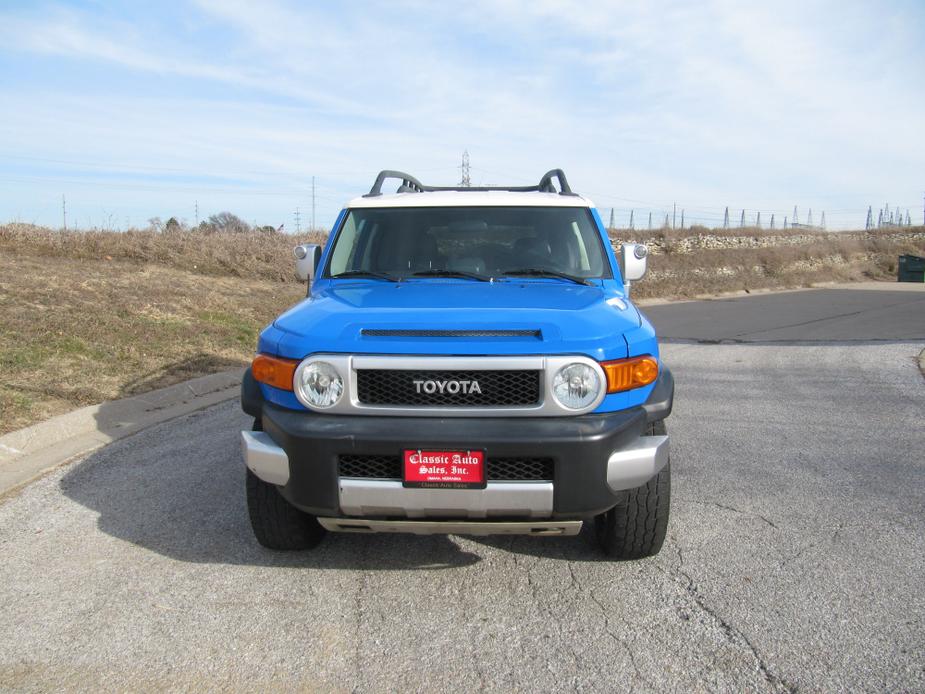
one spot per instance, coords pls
(633, 256)
(307, 257)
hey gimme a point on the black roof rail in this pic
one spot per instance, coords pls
(409, 184)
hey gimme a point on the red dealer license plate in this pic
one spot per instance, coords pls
(444, 469)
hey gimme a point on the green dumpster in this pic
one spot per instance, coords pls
(911, 268)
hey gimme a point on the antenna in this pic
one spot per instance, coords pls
(64, 210)
(298, 221)
(466, 182)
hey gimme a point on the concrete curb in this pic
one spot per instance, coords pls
(29, 453)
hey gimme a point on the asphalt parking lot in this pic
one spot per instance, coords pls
(795, 557)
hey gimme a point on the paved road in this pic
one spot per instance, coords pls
(824, 315)
(795, 557)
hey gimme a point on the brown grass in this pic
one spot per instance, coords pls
(685, 265)
(76, 332)
(252, 255)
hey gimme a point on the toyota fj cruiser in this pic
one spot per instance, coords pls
(467, 361)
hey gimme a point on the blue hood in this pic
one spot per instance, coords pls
(569, 318)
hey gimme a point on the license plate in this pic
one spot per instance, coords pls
(444, 469)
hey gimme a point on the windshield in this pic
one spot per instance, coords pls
(474, 242)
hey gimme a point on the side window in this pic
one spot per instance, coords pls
(346, 246)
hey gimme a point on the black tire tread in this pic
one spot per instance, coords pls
(276, 523)
(636, 527)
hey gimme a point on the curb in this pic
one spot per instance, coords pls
(29, 453)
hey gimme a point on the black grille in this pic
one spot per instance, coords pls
(386, 466)
(376, 332)
(497, 388)
(389, 467)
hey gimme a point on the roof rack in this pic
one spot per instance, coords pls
(409, 184)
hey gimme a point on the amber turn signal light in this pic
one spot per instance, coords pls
(274, 371)
(626, 374)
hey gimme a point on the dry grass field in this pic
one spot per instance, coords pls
(91, 316)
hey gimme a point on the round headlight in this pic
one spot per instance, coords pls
(319, 385)
(576, 386)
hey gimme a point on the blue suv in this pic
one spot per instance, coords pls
(467, 361)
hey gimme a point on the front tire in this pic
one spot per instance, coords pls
(636, 527)
(276, 523)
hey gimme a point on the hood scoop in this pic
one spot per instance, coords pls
(386, 332)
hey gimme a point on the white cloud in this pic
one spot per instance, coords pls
(701, 103)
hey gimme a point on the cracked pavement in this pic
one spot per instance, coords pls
(794, 560)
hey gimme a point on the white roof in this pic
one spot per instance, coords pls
(454, 198)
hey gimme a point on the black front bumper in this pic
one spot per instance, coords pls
(579, 446)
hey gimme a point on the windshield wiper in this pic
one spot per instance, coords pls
(365, 273)
(537, 272)
(451, 273)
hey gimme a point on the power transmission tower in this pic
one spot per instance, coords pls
(908, 219)
(313, 203)
(674, 214)
(822, 223)
(631, 220)
(650, 221)
(879, 218)
(785, 222)
(666, 221)
(682, 219)
(726, 219)
(611, 227)
(758, 220)
(772, 221)
(742, 220)
(298, 221)
(466, 181)
(796, 219)
(809, 219)
(64, 210)
(870, 218)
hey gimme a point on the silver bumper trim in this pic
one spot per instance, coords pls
(362, 497)
(636, 464)
(356, 525)
(264, 458)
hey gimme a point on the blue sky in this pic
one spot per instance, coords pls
(135, 110)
